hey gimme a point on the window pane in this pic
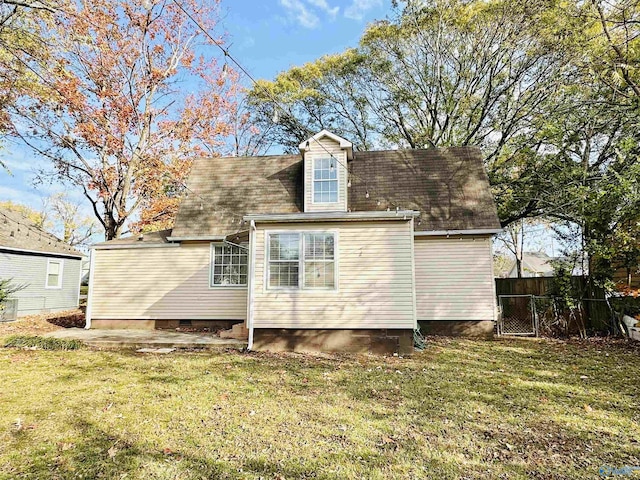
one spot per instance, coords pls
(227, 263)
(54, 268)
(284, 246)
(52, 280)
(319, 275)
(319, 246)
(283, 274)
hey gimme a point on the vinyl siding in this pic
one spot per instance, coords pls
(161, 283)
(454, 279)
(375, 287)
(31, 271)
(314, 151)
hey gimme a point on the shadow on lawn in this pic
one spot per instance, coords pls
(103, 455)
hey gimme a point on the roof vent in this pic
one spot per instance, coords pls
(140, 237)
(11, 234)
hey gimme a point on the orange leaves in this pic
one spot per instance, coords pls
(132, 105)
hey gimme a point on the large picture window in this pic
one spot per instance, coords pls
(325, 180)
(228, 266)
(302, 260)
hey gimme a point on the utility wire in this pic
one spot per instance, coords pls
(277, 104)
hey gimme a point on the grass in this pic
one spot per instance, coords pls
(461, 409)
(44, 343)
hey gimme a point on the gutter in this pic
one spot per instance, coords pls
(329, 216)
(41, 253)
(252, 272)
(209, 238)
(446, 233)
(126, 246)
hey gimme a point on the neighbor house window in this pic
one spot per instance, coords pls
(54, 274)
(228, 265)
(325, 180)
(314, 268)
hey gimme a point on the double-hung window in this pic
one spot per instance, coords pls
(228, 265)
(54, 273)
(325, 180)
(284, 260)
(302, 260)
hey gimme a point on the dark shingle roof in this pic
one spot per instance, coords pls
(448, 185)
(18, 231)
(242, 185)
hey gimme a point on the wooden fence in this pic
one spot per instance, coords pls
(597, 314)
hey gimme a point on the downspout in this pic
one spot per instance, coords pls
(252, 272)
(414, 292)
(92, 264)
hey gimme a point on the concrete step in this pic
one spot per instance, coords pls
(137, 339)
(239, 331)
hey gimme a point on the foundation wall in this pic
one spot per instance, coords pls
(376, 341)
(458, 328)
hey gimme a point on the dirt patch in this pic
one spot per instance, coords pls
(43, 323)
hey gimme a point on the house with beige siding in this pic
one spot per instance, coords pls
(330, 249)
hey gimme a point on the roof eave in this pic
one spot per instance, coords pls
(344, 144)
(196, 238)
(446, 233)
(331, 216)
(43, 252)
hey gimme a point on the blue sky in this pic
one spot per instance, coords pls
(271, 36)
(266, 37)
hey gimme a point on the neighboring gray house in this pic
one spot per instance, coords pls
(534, 264)
(48, 269)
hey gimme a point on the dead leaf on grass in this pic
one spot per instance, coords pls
(588, 408)
(112, 451)
(167, 451)
(108, 407)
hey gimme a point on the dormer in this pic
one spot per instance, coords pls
(326, 172)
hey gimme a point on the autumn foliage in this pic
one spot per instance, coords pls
(137, 93)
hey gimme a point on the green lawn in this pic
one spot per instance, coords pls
(461, 409)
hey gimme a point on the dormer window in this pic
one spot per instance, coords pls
(325, 180)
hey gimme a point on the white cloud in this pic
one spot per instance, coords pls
(358, 9)
(24, 197)
(299, 11)
(307, 13)
(323, 5)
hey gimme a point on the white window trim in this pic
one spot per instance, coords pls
(313, 180)
(212, 259)
(60, 274)
(301, 287)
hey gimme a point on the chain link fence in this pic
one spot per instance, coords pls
(536, 315)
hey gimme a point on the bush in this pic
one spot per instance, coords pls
(44, 343)
(626, 305)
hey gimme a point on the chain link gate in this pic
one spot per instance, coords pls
(518, 315)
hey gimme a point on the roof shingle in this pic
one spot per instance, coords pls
(17, 231)
(448, 185)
